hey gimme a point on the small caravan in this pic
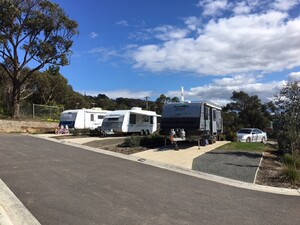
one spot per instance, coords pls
(83, 118)
(193, 119)
(134, 120)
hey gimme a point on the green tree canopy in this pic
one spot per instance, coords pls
(48, 88)
(288, 118)
(248, 111)
(33, 33)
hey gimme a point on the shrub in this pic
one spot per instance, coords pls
(292, 161)
(132, 141)
(153, 141)
(292, 174)
(231, 136)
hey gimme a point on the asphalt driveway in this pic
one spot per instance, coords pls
(62, 184)
(237, 165)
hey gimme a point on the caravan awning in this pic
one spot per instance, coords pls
(145, 113)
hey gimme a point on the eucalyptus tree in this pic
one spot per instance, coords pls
(288, 118)
(33, 33)
(248, 111)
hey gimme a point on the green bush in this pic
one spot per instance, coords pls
(231, 136)
(292, 174)
(153, 141)
(292, 161)
(131, 142)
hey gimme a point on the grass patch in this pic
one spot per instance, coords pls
(245, 146)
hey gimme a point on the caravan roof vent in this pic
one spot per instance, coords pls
(96, 108)
(136, 108)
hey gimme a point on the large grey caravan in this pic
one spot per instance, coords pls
(194, 119)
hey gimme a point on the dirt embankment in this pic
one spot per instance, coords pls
(20, 126)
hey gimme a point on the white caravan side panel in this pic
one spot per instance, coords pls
(80, 120)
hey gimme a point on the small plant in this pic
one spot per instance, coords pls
(291, 161)
(132, 142)
(292, 166)
(231, 136)
(292, 174)
(153, 141)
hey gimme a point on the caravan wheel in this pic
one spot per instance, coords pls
(147, 132)
(142, 133)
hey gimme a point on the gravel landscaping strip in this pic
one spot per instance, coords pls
(237, 165)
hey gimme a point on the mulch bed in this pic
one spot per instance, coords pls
(271, 172)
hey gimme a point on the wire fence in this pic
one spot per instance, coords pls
(41, 112)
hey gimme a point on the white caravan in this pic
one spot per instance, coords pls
(134, 120)
(83, 118)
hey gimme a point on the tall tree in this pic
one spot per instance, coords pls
(48, 88)
(32, 33)
(249, 110)
(288, 118)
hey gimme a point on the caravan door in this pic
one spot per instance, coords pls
(214, 122)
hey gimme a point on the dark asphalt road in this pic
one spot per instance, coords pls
(61, 184)
(237, 165)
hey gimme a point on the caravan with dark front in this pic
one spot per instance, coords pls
(192, 119)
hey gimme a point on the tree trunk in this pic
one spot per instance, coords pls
(15, 102)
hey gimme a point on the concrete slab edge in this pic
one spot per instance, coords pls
(261, 159)
(189, 172)
(12, 210)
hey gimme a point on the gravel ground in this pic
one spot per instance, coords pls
(237, 165)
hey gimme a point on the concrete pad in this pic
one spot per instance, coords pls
(183, 158)
(79, 140)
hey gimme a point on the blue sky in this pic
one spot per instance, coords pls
(138, 48)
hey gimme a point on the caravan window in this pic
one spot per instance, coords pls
(214, 115)
(206, 112)
(132, 119)
(145, 119)
(113, 119)
(100, 117)
(92, 117)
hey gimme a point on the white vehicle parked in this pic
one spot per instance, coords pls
(83, 118)
(134, 120)
(251, 135)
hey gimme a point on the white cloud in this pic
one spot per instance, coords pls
(285, 5)
(93, 35)
(193, 22)
(122, 23)
(168, 32)
(220, 90)
(104, 54)
(242, 8)
(242, 43)
(121, 93)
(294, 76)
(213, 7)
